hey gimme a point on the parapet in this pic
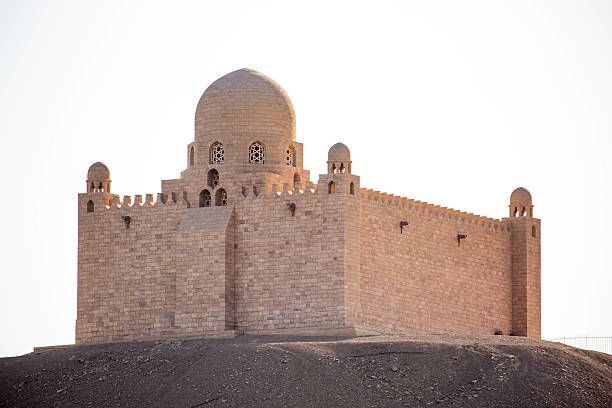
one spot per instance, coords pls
(433, 209)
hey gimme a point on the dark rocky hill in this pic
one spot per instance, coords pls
(282, 371)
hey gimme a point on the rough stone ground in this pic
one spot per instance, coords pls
(283, 371)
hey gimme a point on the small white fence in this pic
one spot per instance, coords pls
(597, 343)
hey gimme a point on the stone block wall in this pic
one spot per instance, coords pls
(339, 261)
(526, 289)
(163, 275)
(421, 281)
(290, 269)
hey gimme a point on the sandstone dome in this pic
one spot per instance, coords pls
(98, 171)
(520, 196)
(244, 104)
(339, 153)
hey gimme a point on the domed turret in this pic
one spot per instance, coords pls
(520, 203)
(339, 159)
(98, 178)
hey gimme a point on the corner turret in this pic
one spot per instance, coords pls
(339, 177)
(520, 203)
(98, 178)
(339, 159)
(526, 268)
(98, 189)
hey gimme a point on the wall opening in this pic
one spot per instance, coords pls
(533, 231)
(213, 178)
(296, 180)
(221, 197)
(515, 211)
(92, 188)
(90, 206)
(244, 191)
(290, 156)
(352, 188)
(523, 212)
(191, 156)
(101, 188)
(205, 198)
(257, 153)
(333, 168)
(331, 188)
(217, 153)
(255, 191)
(342, 169)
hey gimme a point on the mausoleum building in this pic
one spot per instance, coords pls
(245, 242)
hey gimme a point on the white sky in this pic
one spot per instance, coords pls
(455, 103)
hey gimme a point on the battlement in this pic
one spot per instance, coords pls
(434, 210)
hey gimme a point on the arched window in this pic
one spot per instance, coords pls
(290, 156)
(191, 156)
(342, 169)
(533, 231)
(100, 188)
(221, 197)
(217, 155)
(255, 191)
(296, 180)
(90, 206)
(523, 212)
(257, 153)
(334, 168)
(92, 188)
(352, 188)
(213, 178)
(331, 188)
(205, 199)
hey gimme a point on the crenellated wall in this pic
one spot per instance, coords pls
(289, 259)
(183, 270)
(419, 279)
(165, 273)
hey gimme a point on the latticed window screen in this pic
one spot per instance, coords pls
(213, 178)
(216, 154)
(205, 198)
(290, 156)
(257, 153)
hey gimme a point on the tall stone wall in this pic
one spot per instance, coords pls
(420, 280)
(290, 268)
(164, 274)
(340, 260)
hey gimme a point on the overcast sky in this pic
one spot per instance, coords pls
(451, 102)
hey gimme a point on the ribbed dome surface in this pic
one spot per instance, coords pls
(98, 171)
(244, 103)
(339, 152)
(520, 196)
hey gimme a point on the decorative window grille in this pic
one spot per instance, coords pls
(213, 178)
(257, 153)
(290, 156)
(217, 155)
(205, 199)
